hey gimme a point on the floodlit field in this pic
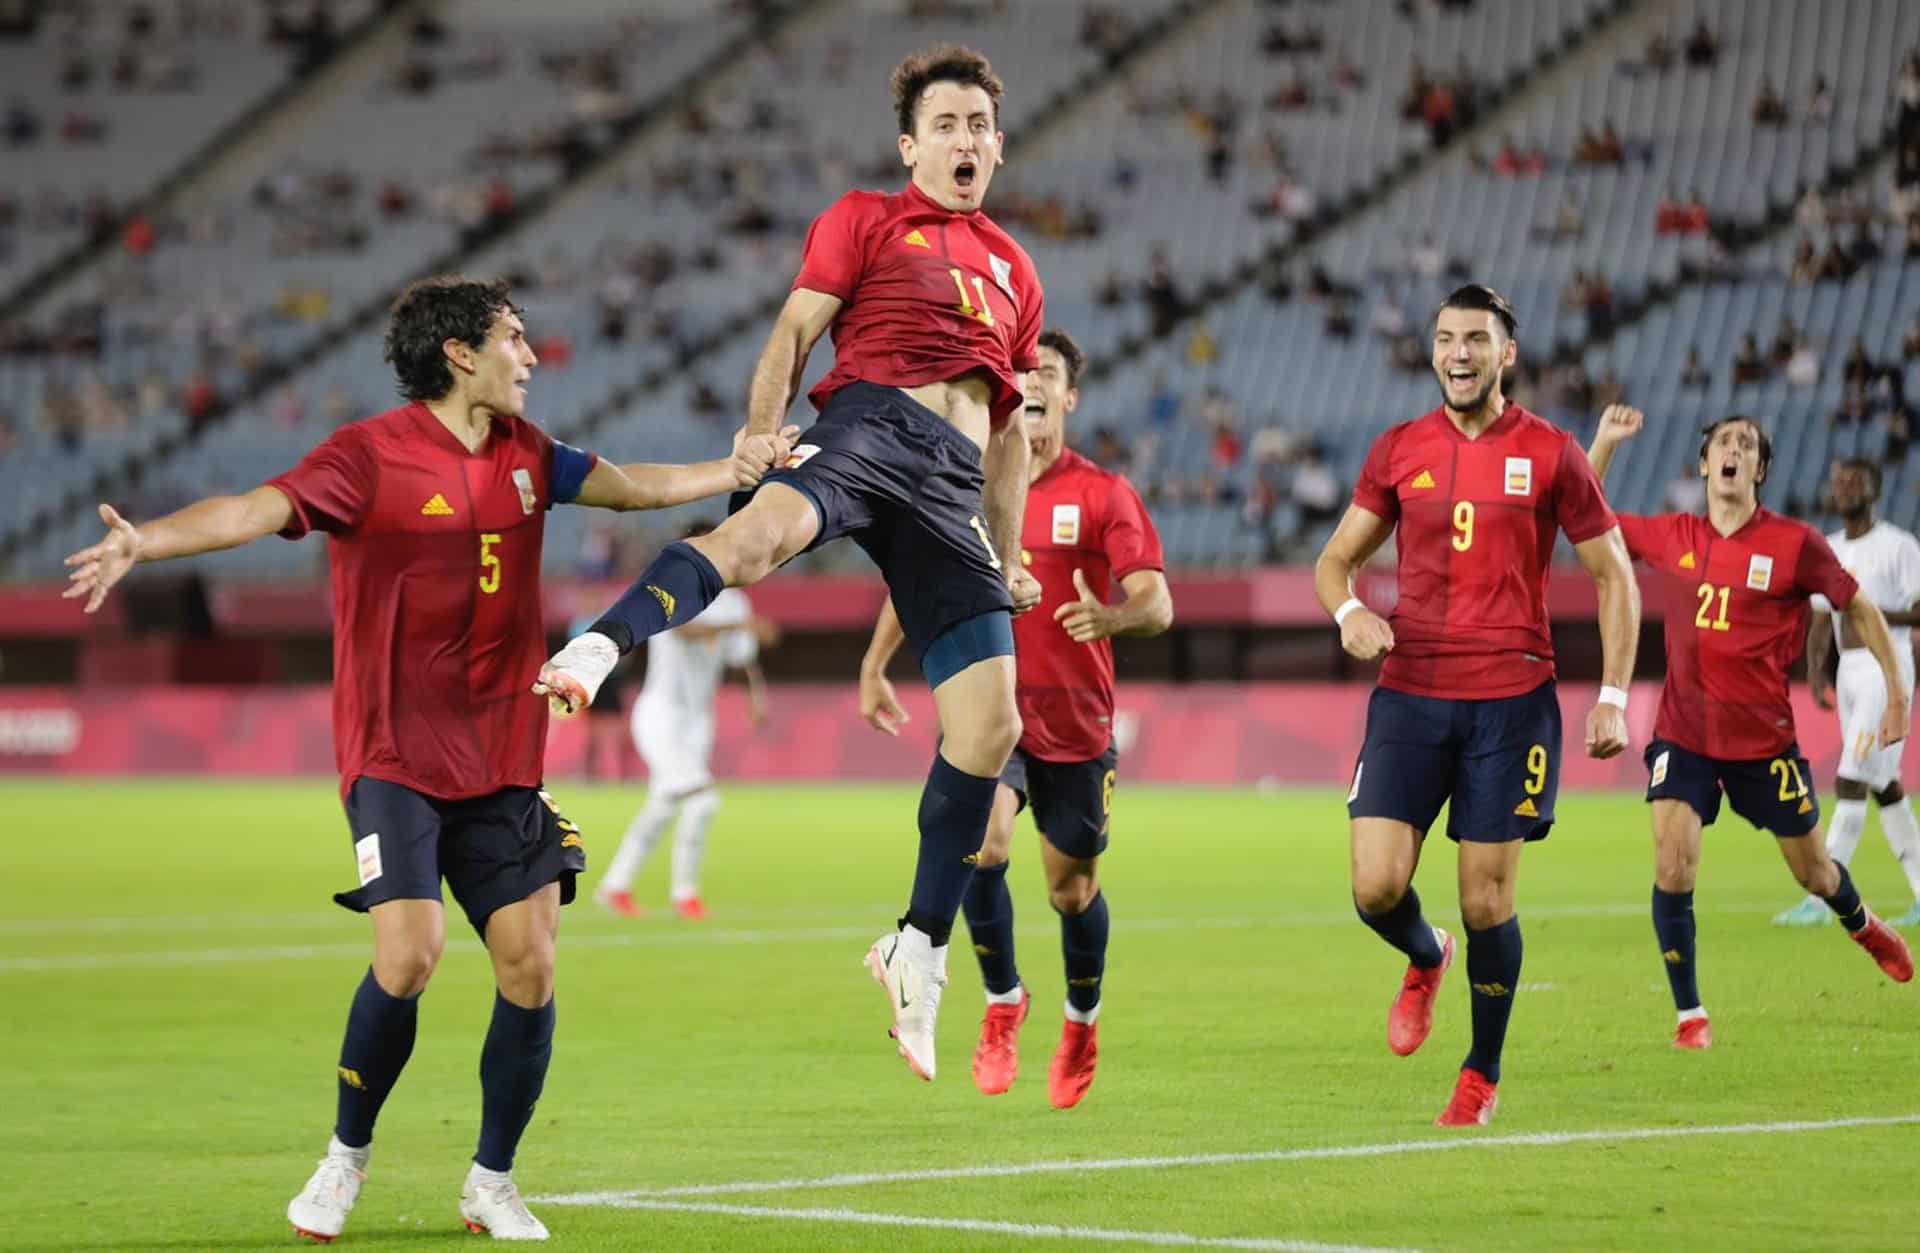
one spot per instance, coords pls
(175, 982)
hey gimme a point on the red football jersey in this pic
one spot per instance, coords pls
(437, 631)
(1477, 520)
(1079, 517)
(1736, 617)
(929, 295)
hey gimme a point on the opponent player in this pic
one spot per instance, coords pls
(936, 314)
(1885, 560)
(435, 512)
(1466, 708)
(1085, 528)
(1736, 582)
(673, 732)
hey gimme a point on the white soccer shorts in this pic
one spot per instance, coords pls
(1862, 698)
(677, 750)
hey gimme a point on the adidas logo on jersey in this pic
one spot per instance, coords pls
(436, 508)
(1687, 562)
(915, 239)
(1526, 809)
(1422, 480)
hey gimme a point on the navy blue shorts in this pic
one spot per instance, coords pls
(1773, 793)
(907, 486)
(1072, 800)
(1498, 761)
(493, 850)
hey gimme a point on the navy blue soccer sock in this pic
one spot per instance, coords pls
(673, 590)
(1493, 968)
(513, 1069)
(380, 1034)
(1845, 902)
(1407, 929)
(1673, 927)
(1083, 942)
(989, 909)
(954, 809)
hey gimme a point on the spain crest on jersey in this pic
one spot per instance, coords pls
(1759, 573)
(1519, 476)
(523, 480)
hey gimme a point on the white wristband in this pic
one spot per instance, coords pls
(1615, 696)
(1353, 605)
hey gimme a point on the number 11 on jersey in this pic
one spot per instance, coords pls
(981, 314)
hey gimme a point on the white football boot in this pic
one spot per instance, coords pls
(490, 1203)
(572, 677)
(320, 1211)
(912, 974)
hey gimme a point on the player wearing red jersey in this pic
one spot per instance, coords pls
(1736, 584)
(936, 315)
(1085, 528)
(434, 512)
(1466, 708)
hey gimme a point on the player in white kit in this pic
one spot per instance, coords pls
(673, 732)
(1886, 561)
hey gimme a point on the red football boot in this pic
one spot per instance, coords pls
(1072, 1071)
(1411, 1017)
(1693, 1034)
(619, 902)
(1472, 1104)
(1887, 948)
(690, 908)
(996, 1060)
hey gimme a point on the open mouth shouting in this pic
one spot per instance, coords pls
(966, 174)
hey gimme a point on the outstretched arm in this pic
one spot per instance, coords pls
(205, 526)
(646, 485)
(1866, 619)
(1605, 557)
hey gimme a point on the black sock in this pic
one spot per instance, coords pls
(513, 1069)
(953, 821)
(1407, 929)
(1673, 927)
(1083, 942)
(989, 908)
(1493, 969)
(674, 589)
(380, 1031)
(1846, 903)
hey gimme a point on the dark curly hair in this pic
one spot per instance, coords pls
(943, 63)
(1061, 342)
(1711, 429)
(427, 315)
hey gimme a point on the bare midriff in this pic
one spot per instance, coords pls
(967, 402)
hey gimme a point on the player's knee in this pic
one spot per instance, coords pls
(1890, 795)
(1674, 868)
(1376, 890)
(1852, 789)
(1485, 905)
(404, 969)
(1074, 895)
(525, 975)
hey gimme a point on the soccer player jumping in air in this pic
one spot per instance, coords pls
(1466, 708)
(1736, 582)
(918, 455)
(1085, 528)
(435, 512)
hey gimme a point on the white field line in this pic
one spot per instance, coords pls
(1026, 1231)
(1542, 1139)
(595, 938)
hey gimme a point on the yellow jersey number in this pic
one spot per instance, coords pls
(1706, 620)
(980, 313)
(489, 564)
(1793, 784)
(1462, 526)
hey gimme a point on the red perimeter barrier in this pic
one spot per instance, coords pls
(1287, 733)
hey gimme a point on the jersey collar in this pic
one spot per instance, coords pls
(1508, 416)
(435, 430)
(921, 200)
(1061, 464)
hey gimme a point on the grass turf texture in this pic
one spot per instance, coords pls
(175, 982)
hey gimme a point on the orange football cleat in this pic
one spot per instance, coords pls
(1071, 1073)
(996, 1060)
(1411, 1017)
(1693, 1034)
(1887, 947)
(1473, 1100)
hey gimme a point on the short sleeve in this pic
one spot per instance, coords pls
(1033, 317)
(730, 608)
(1373, 490)
(1579, 506)
(835, 253)
(568, 469)
(332, 487)
(1821, 574)
(1129, 538)
(1909, 563)
(1642, 535)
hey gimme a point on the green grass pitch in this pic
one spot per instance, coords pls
(175, 980)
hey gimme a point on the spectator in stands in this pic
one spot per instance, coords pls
(1681, 217)
(1853, 407)
(1340, 320)
(1110, 452)
(1748, 365)
(1659, 54)
(1692, 372)
(1835, 264)
(1786, 341)
(22, 125)
(1820, 100)
(1512, 161)
(1803, 366)
(1602, 147)
(1899, 433)
(1769, 107)
(1805, 267)
(1910, 343)
(1702, 48)
(1203, 346)
(1427, 258)
(1315, 490)
(1906, 89)
(1165, 305)
(1163, 402)
(1858, 369)
(1568, 222)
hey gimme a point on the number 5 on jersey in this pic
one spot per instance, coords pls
(489, 564)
